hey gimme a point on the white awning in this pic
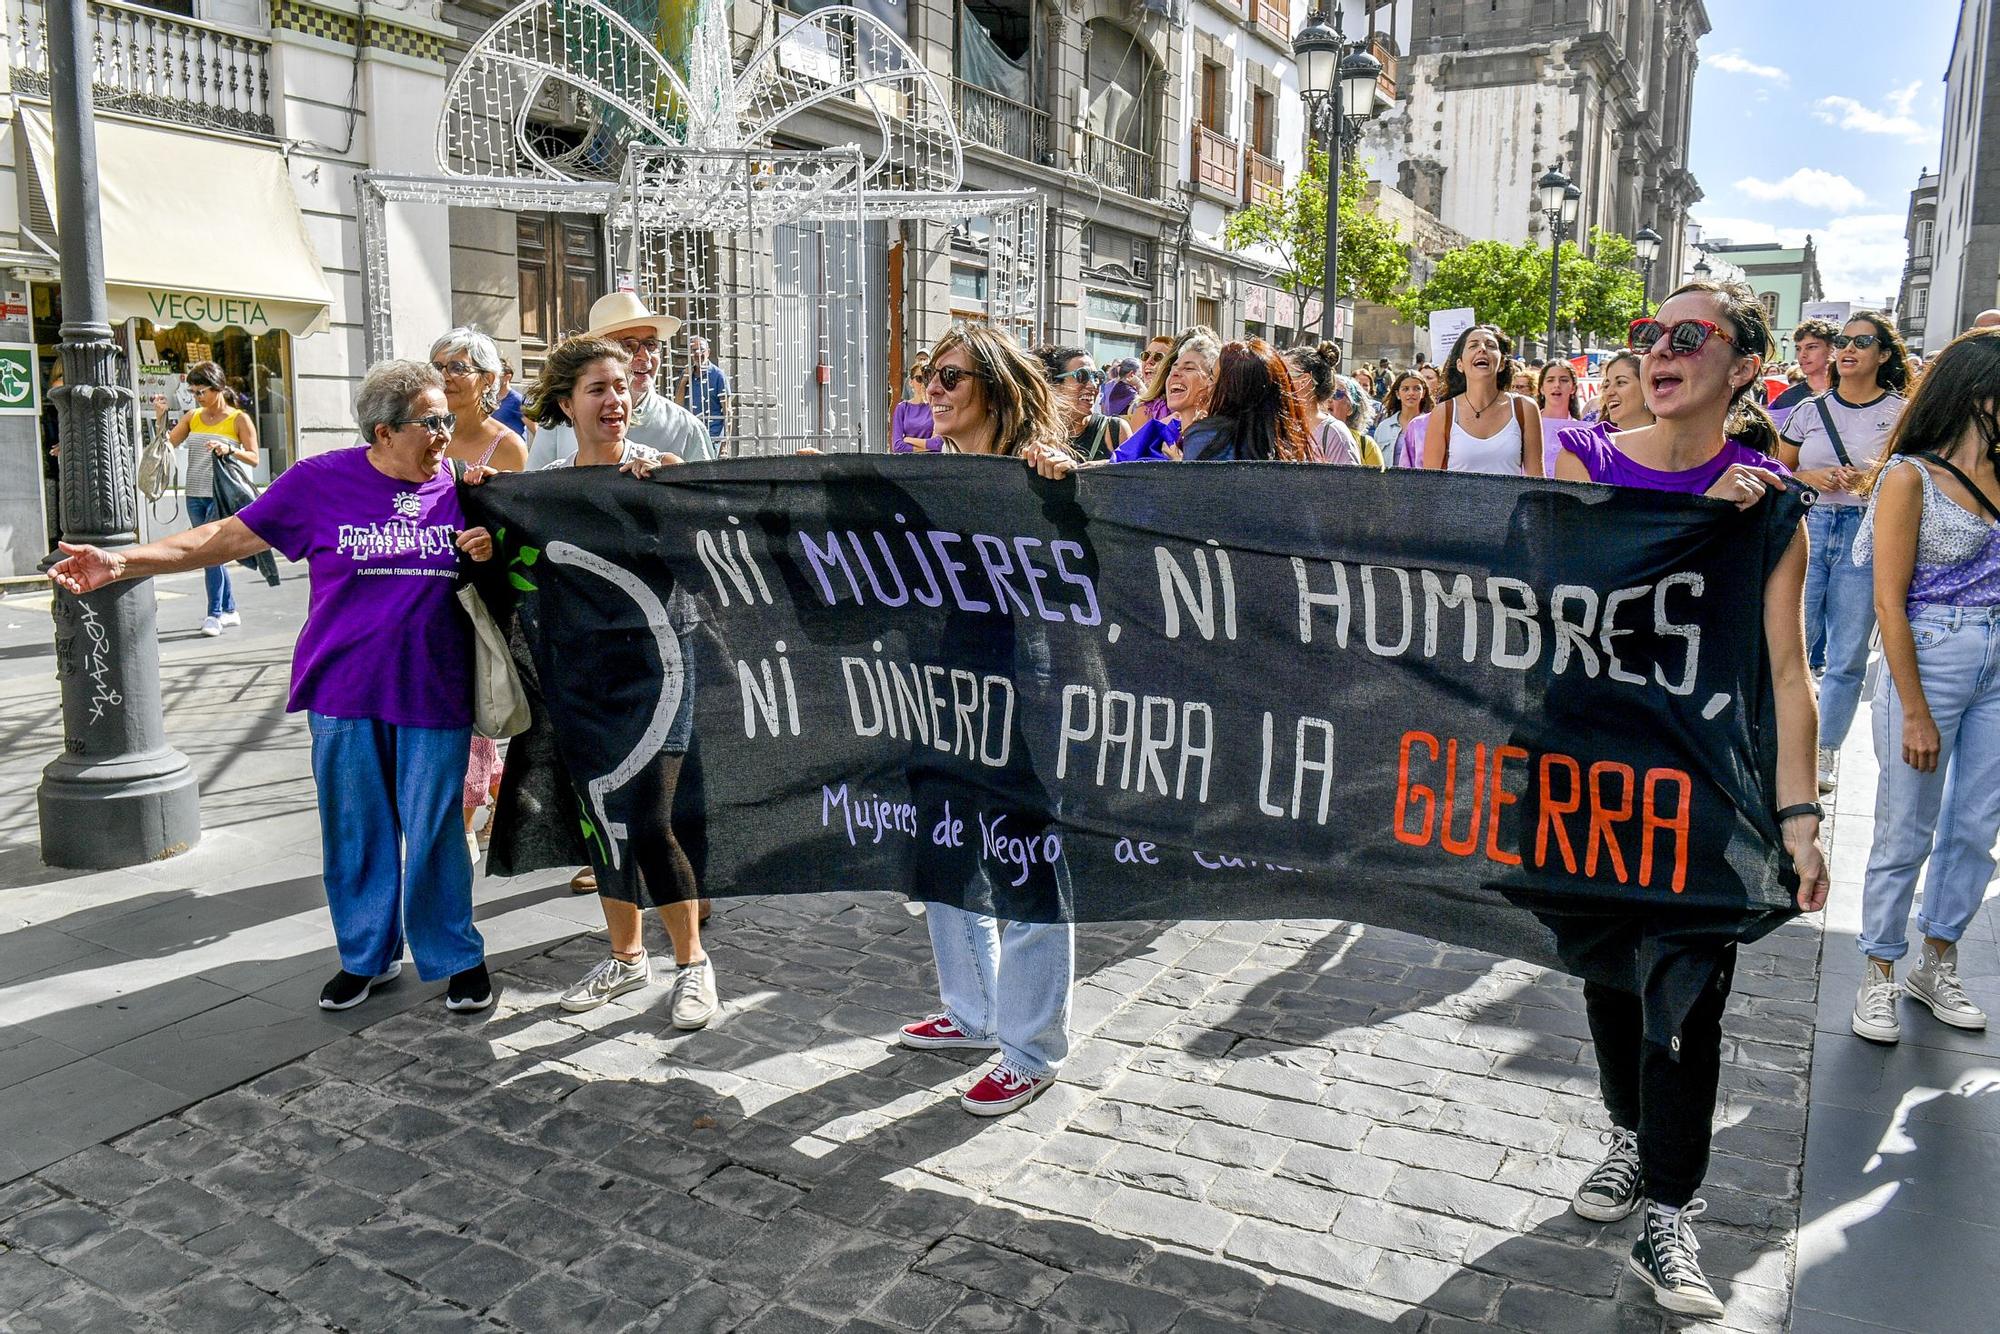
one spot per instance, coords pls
(198, 229)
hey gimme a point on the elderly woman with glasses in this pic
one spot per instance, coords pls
(383, 672)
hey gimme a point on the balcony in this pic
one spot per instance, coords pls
(1384, 50)
(1263, 178)
(1135, 171)
(985, 117)
(1215, 162)
(1275, 18)
(155, 65)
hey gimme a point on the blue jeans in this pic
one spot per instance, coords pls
(1840, 615)
(1006, 980)
(393, 843)
(221, 597)
(1953, 811)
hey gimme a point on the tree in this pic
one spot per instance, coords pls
(1374, 264)
(1508, 285)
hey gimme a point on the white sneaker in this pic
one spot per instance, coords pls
(611, 977)
(1934, 981)
(230, 620)
(695, 1001)
(1829, 757)
(1875, 1006)
(211, 626)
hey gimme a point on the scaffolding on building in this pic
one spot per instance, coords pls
(564, 106)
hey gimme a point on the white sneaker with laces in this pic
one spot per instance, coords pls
(211, 626)
(694, 1000)
(1934, 981)
(1829, 757)
(611, 977)
(230, 620)
(1875, 1015)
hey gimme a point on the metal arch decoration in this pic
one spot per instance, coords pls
(623, 93)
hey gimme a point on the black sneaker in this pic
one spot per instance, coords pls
(348, 990)
(468, 991)
(1611, 1191)
(1664, 1256)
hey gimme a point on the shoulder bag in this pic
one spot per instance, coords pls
(499, 703)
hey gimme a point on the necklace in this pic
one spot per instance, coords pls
(1477, 413)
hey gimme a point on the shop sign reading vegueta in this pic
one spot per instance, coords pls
(210, 312)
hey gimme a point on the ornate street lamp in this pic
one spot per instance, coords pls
(1560, 202)
(1337, 82)
(1646, 248)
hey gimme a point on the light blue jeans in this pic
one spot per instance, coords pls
(214, 578)
(1954, 811)
(1009, 981)
(393, 844)
(1840, 615)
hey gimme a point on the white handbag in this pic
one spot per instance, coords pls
(499, 702)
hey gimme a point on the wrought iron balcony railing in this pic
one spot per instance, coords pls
(1135, 171)
(159, 66)
(988, 118)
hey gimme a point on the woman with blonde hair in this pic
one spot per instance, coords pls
(1152, 405)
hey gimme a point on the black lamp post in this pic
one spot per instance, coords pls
(1560, 201)
(1338, 83)
(1646, 248)
(118, 795)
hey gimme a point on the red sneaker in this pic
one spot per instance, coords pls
(1003, 1090)
(940, 1031)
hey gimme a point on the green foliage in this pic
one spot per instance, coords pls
(1374, 263)
(1509, 286)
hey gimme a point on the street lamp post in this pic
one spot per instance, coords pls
(118, 795)
(1338, 83)
(1560, 201)
(1646, 248)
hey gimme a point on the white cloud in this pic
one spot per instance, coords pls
(1896, 119)
(1860, 255)
(1809, 186)
(1734, 62)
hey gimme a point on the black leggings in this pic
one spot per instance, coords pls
(664, 869)
(1667, 1097)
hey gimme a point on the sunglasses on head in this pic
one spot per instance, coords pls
(951, 376)
(1082, 375)
(1862, 341)
(1683, 338)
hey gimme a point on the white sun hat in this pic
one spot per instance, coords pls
(619, 311)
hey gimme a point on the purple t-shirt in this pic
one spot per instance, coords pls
(1602, 459)
(911, 419)
(384, 637)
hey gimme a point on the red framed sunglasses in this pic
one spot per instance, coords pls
(1683, 338)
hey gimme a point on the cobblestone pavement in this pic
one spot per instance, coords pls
(1304, 1126)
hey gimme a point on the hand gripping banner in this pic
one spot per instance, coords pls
(1483, 710)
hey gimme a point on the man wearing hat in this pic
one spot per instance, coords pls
(667, 426)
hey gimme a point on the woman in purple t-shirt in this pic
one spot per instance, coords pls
(910, 423)
(1701, 356)
(381, 531)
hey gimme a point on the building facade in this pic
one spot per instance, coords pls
(1494, 92)
(1785, 279)
(1965, 273)
(1913, 298)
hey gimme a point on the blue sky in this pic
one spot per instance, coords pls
(1816, 116)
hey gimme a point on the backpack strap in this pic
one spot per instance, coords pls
(1833, 432)
(1984, 502)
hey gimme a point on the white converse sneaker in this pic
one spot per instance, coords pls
(1875, 1006)
(694, 1000)
(611, 977)
(1829, 758)
(1934, 981)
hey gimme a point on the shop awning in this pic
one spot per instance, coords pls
(198, 229)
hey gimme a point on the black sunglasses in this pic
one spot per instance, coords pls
(1683, 339)
(1862, 341)
(950, 376)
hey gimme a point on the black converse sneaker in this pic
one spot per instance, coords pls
(1611, 1191)
(1664, 1256)
(468, 990)
(348, 990)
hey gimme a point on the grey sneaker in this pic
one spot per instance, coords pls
(1934, 981)
(1665, 1256)
(694, 994)
(1875, 1006)
(1611, 1191)
(611, 977)
(1829, 757)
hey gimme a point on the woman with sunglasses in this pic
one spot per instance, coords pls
(1154, 363)
(910, 423)
(1400, 433)
(216, 429)
(1074, 380)
(1701, 356)
(1002, 985)
(1932, 537)
(383, 673)
(1555, 395)
(1478, 426)
(1832, 440)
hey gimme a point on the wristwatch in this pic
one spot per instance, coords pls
(1812, 808)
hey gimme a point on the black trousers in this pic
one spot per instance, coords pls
(1666, 1097)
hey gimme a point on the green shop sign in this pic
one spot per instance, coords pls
(20, 382)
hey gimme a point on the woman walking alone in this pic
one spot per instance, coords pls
(216, 429)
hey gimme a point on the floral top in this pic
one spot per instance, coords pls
(1958, 552)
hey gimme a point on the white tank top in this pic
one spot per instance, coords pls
(1499, 454)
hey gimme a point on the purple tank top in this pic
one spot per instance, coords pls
(1592, 444)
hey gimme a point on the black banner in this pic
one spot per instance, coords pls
(1462, 706)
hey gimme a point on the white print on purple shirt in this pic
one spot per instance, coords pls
(376, 541)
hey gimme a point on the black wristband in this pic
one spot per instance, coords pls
(1812, 808)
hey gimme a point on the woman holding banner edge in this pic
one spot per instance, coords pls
(1701, 356)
